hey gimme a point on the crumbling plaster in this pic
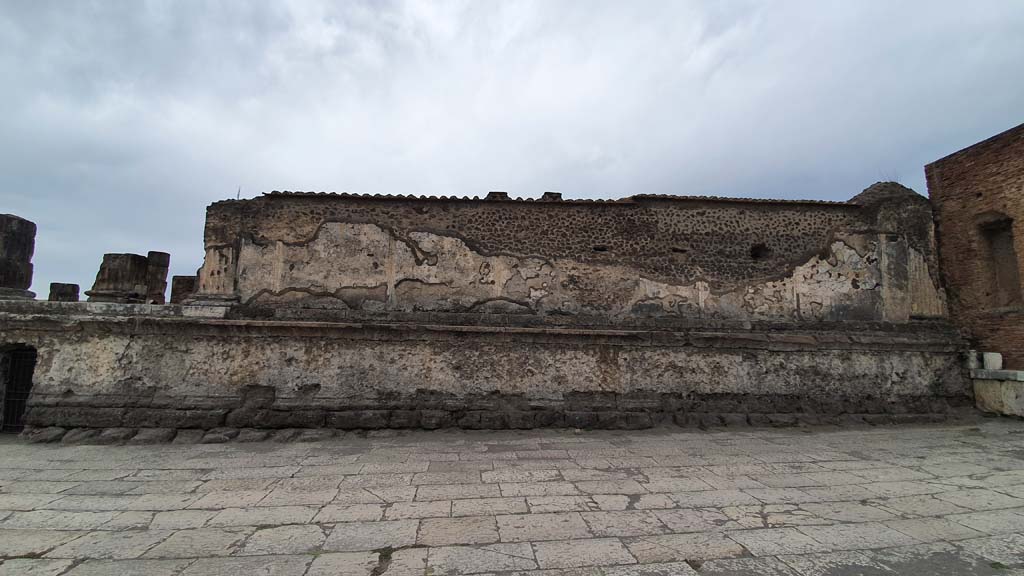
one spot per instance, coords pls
(871, 259)
(366, 267)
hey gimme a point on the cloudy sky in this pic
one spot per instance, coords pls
(120, 121)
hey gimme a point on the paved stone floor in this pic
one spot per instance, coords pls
(886, 500)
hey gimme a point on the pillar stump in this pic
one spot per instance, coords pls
(156, 277)
(181, 288)
(63, 292)
(17, 243)
(122, 278)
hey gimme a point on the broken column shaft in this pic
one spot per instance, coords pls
(63, 292)
(156, 284)
(121, 278)
(17, 243)
(181, 288)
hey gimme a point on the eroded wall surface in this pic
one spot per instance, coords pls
(137, 369)
(869, 259)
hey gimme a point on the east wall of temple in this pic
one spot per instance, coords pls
(870, 259)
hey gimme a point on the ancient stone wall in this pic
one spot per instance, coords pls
(103, 364)
(367, 312)
(640, 257)
(978, 195)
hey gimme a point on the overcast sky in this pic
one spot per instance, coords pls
(121, 121)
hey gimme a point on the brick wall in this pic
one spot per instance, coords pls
(978, 194)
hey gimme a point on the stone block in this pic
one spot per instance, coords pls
(711, 420)
(63, 292)
(80, 435)
(551, 418)
(878, 419)
(114, 436)
(189, 436)
(575, 419)
(434, 419)
(759, 420)
(782, 420)
(168, 418)
(315, 434)
(285, 435)
(870, 405)
(521, 419)
(830, 405)
(590, 401)
(43, 435)
(641, 401)
(811, 419)
(404, 419)
(623, 420)
(851, 419)
(78, 416)
(241, 417)
(288, 419)
(734, 420)
(358, 419)
(219, 435)
(252, 435)
(493, 420)
(991, 361)
(471, 420)
(1004, 397)
(1017, 375)
(153, 436)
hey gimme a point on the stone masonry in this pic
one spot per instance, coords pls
(871, 258)
(17, 243)
(363, 312)
(63, 292)
(978, 195)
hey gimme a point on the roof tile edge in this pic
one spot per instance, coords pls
(549, 200)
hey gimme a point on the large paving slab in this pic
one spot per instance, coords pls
(796, 502)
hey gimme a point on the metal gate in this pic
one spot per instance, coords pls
(18, 385)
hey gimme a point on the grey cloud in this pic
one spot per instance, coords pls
(123, 120)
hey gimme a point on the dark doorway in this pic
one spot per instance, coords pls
(18, 363)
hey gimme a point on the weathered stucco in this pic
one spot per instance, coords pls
(365, 267)
(871, 259)
(137, 369)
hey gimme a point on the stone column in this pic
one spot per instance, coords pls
(156, 284)
(63, 292)
(17, 243)
(122, 278)
(181, 288)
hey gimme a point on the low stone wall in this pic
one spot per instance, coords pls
(104, 365)
(999, 391)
